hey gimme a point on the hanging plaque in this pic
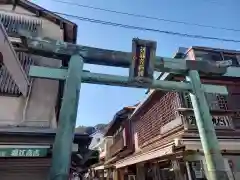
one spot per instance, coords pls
(143, 56)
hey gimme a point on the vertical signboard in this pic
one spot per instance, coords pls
(143, 56)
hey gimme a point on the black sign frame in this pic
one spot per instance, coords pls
(143, 58)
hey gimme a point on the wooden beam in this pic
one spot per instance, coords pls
(114, 80)
(47, 73)
(11, 62)
(59, 49)
(62, 148)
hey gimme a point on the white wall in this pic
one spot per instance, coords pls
(104, 147)
(96, 139)
(10, 110)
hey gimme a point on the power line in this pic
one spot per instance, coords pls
(109, 23)
(147, 17)
(213, 1)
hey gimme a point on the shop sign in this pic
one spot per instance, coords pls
(23, 152)
(218, 121)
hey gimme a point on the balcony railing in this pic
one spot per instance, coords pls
(218, 104)
(118, 144)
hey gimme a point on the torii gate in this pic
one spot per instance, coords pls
(142, 62)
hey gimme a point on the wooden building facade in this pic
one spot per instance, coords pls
(164, 132)
(119, 143)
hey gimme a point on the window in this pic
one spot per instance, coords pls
(222, 102)
(215, 101)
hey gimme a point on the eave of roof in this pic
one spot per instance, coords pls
(214, 49)
(41, 132)
(70, 28)
(116, 117)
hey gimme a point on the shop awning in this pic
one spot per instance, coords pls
(111, 160)
(144, 156)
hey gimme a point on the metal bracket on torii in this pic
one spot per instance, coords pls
(144, 50)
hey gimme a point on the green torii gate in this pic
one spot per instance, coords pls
(142, 63)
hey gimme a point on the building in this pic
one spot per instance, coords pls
(37, 111)
(29, 107)
(103, 148)
(166, 140)
(97, 139)
(117, 144)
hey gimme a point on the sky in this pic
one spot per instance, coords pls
(98, 104)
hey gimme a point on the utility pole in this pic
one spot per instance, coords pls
(142, 63)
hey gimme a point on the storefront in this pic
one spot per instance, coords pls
(25, 154)
(197, 163)
(186, 163)
(196, 166)
(24, 162)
